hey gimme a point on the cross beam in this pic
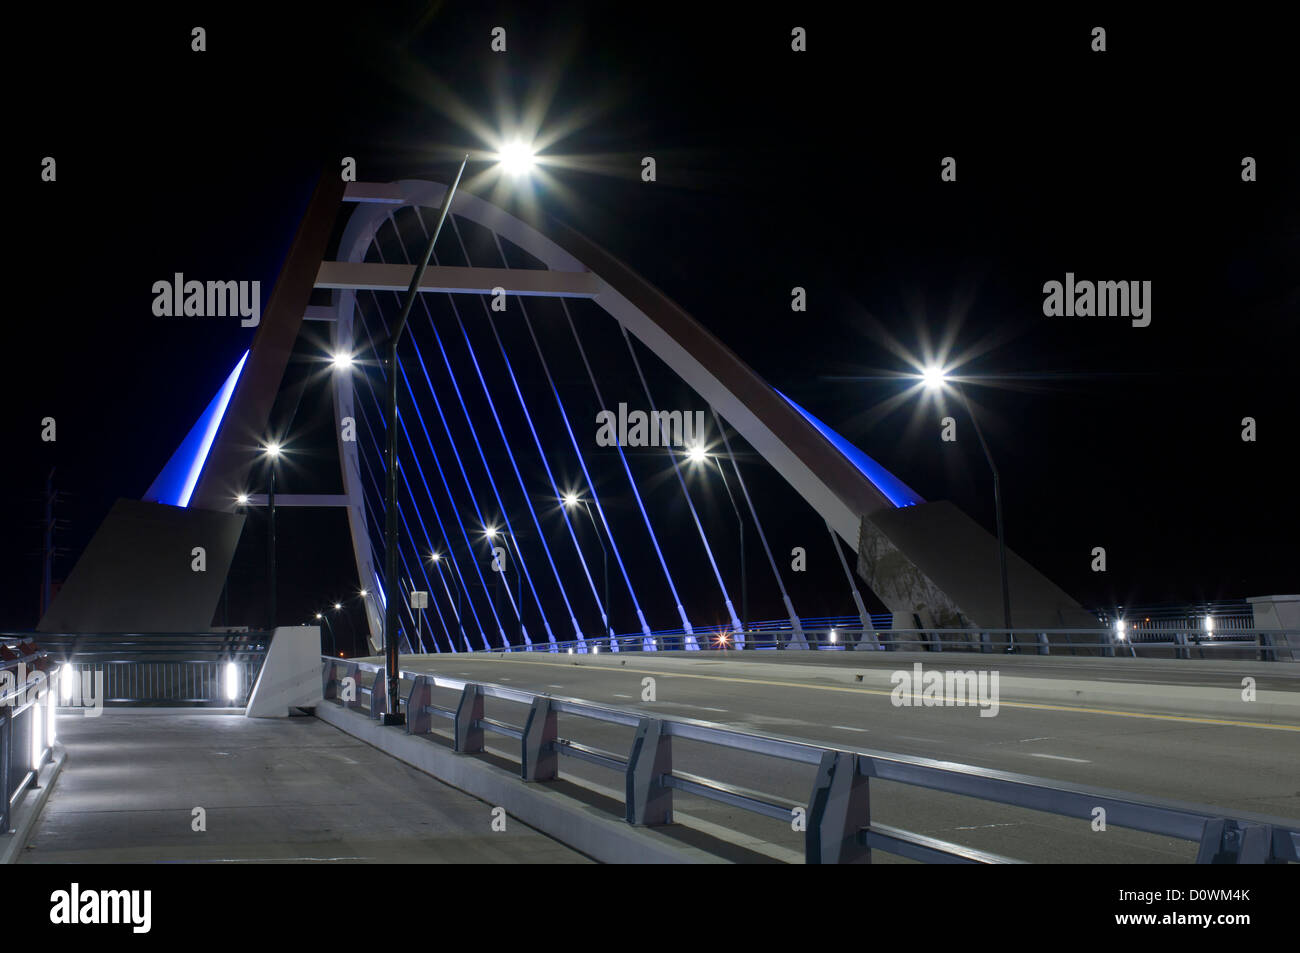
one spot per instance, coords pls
(373, 276)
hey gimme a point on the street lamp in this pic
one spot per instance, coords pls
(570, 501)
(697, 454)
(272, 453)
(393, 716)
(436, 559)
(321, 617)
(934, 379)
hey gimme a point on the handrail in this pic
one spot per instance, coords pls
(838, 826)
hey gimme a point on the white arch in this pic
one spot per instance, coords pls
(834, 486)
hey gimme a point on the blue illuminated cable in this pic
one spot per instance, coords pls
(690, 641)
(685, 492)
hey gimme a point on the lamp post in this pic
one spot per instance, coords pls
(436, 558)
(571, 500)
(393, 716)
(321, 617)
(272, 453)
(699, 455)
(935, 378)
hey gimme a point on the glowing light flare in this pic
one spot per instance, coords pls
(517, 157)
(232, 681)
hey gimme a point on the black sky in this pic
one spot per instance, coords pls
(775, 169)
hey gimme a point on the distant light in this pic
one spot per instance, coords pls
(241, 499)
(364, 593)
(232, 681)
(696, 454)
(491, 532)
(65, 682)
(338, 605)
(1119, 630)
(570, 649)
(834, 637)
(595, 650)
(318, 615)
(272, 449)
(933, 377)
(570, 499)
(517, 157)
(1209, 623)
(341, 360)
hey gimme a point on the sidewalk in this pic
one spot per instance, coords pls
(274, 790)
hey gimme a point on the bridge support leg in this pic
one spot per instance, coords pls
(839, 809)
(649, 799)
(540, 761)
(417, 718)
(1227, 842)
(469, 734)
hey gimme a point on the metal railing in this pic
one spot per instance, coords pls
(839, 828)
(1184, 643)
(217, 669)
(27, 722)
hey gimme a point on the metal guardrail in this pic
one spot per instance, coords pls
(27, 723)
(1185, 643)
(837, 815)
(216, 669)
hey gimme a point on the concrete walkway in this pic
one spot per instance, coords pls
(274, 791)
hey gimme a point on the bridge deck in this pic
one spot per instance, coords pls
(275, 790)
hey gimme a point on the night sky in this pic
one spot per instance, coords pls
(775, 169)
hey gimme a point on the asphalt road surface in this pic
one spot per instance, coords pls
(1232, 763)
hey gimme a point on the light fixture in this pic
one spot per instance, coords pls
(342, 360)
(1119, 630)
(232, 681)
(834, 637)
(570, 499)
(318, 615)
(491, 532)
(516, 157)
(38, 736)
(65, 682)
(1209, 625)
(933, 377)
(364, 593)
(242, 499)
(436, 557)
(50, 734)
(696, 454)
(338, 605)
(272, 449)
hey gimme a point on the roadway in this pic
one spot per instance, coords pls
(1234, 761)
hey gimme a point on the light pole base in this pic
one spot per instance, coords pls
(389, 718)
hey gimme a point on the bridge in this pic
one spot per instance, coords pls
(626, 617)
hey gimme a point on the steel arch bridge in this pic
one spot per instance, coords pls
(925, 561)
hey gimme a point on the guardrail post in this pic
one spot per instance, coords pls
(540, 761)
(1181, 651)
(1044, 648)
(839, 809)
(379, 695)
(421, 697)
(469, 734)
(649, 800)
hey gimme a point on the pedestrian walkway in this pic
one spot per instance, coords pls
(271, 790)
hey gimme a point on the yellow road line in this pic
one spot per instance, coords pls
(1194, 719)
